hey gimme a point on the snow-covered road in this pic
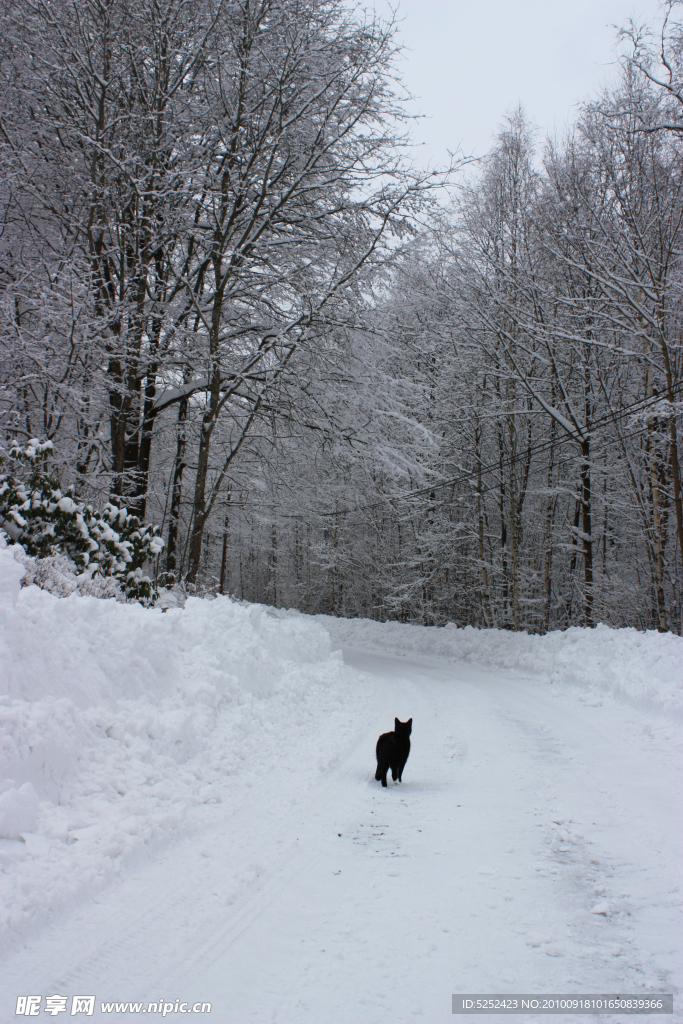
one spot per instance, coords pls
(532, 847)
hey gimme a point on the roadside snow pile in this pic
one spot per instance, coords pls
(18, 809)
(645, 669)
(118, 723)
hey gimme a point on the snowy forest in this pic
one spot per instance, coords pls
(334, 380)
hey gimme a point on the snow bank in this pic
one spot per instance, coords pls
(18, 809)
(646, 669)
(117, 721)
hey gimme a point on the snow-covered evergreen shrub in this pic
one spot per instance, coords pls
(47, 522)
(59, 576)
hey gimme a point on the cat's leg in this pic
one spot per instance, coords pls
(382, 769)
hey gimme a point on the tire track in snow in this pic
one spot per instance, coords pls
(433, 897)
(392, 923)
(292, 862)
(600, 824)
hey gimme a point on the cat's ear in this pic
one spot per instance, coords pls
(396, 724)
(409, 723)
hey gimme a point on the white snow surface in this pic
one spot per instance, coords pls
(110, 715)
(643, 669)
(188, 811)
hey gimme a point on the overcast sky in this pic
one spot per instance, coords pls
(469, 61)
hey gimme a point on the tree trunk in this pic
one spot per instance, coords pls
(586, 533)
(513, 526)
(176, 494)
(480, 517)
(503, 523)
(657, 539)
(272, 587)
(208, 423)
(308, 568)
(138, 504)
(549, 514)
(224, 556)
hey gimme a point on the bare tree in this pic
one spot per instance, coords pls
(226, 171)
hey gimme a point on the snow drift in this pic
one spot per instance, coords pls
(108, 725)
(644, 669)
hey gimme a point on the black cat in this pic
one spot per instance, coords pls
(392, 751)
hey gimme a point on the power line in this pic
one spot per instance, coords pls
(467, 475)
